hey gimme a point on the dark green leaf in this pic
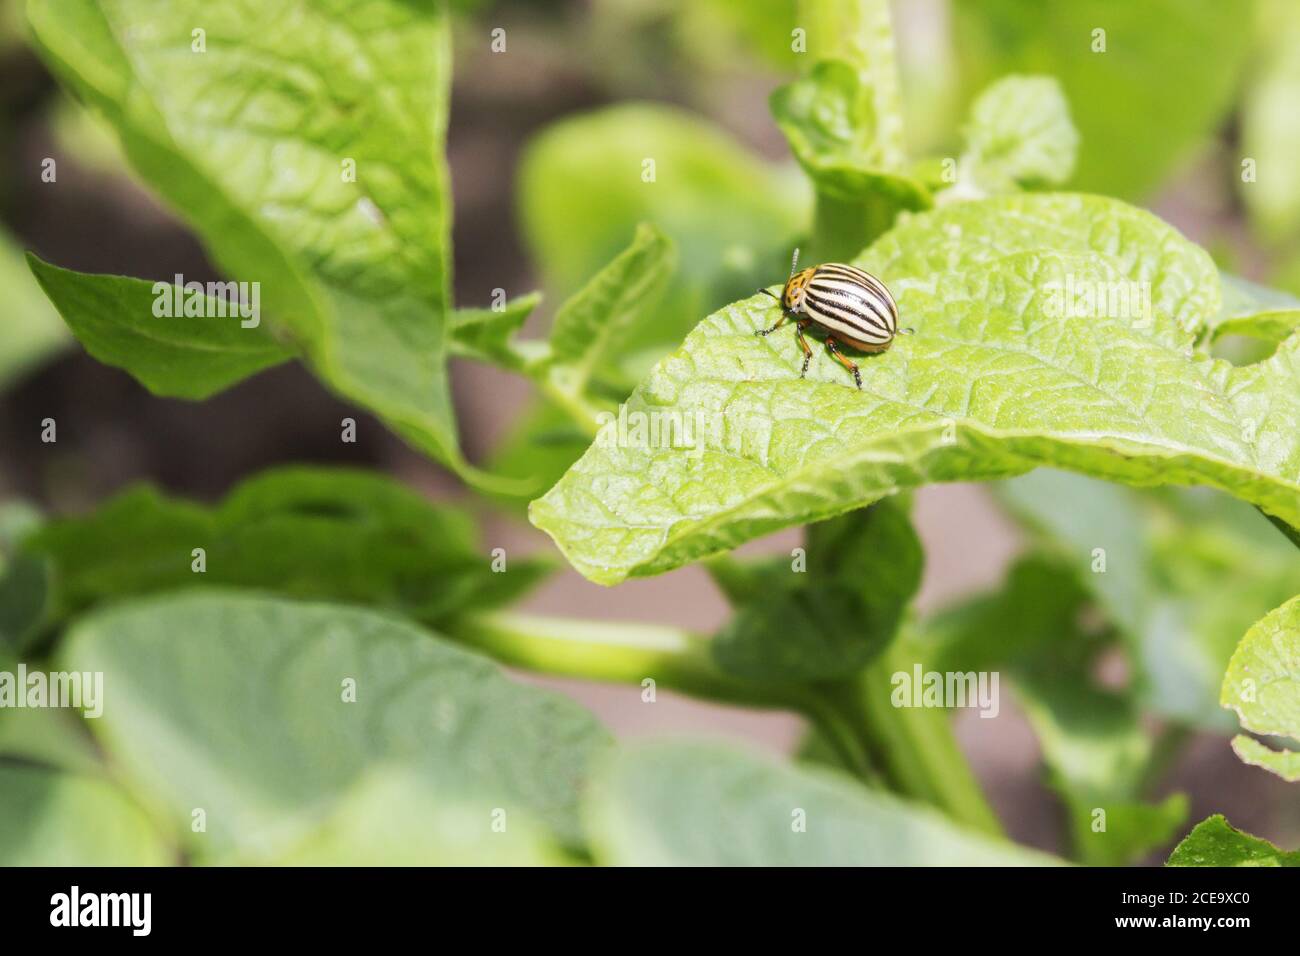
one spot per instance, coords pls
(321, 533)
(315, 172)
(179, 356)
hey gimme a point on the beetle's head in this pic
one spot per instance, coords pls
(795, 288)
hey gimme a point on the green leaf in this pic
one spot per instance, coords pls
(998, 379)
(826, 117)
(1262, 685)
(61, 819)
(30, 331)
(1019, 134)
(323, 533)
(1176, 60)
(859, 33)
(699, 804)
(584, 187)
(177, 357)
(253, 149)
(487, 335)
(1215, 843)
(605, 308)
(832, 618)
(240, 705)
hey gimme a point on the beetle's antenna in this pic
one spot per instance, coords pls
(794, 263)
(771, 293)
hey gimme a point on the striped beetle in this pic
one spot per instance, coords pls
(851, 306)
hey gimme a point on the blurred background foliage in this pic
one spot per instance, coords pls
(546, 147)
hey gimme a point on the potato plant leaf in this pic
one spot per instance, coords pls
(175, 356)
(316, 170)
(323, 533)
(270, 713)
(1001, 376)
(1214, 842)
(1262, 685)
(701, 804)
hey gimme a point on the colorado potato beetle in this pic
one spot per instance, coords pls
(850, 306)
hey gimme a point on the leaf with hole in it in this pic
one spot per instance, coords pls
(176, 355)
(270, 713)
(1262, 685)
(831, 618)
(323, 533)
(316, 170)
(698, 804)
(1001, 375)
(1019, 134)
(53, 818)
(1214, 842)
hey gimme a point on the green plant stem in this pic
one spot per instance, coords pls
(617, 652)
(914, 746)
(629, 653)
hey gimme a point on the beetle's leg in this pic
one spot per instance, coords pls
(779, 322)
(832, 347)
(799, 326)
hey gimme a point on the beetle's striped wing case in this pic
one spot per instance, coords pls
(853, 305)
